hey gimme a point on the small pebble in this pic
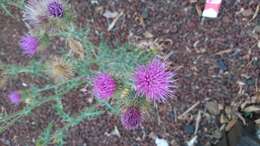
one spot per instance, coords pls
(212, 108)
(247, 12)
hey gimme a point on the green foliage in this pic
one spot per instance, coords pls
(119, 62)
(44, 138)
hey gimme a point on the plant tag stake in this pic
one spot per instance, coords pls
(211, 8)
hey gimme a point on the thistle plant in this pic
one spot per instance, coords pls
(125, 80)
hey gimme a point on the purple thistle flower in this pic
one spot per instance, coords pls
(38, 12)
(104, 86)
(15, 97)
(29, 44)
(154, 81)
(131, 118)
(56, 9)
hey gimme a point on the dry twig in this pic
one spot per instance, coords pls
(197, 123)
(188, 110)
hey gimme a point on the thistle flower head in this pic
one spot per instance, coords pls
(56, 9)
(104, 86)
(15, 97)
(131, 118)
(29, 44)
(39, 12)
(59, 69)
(154, 81)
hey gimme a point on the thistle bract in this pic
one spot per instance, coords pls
(104, 86)
(131, 118)
(29, 44)
(15, 97)
(154, 81)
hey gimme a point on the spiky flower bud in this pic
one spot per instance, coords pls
(29, 44)
(104, 86)
(154, 81)
(131, 118)
(56, 9)
(15, 97)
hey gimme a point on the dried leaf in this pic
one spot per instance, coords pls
(253, 108)
(140, 20)
(257, 121)
(76, 48)
(148, 35)
(247, 12)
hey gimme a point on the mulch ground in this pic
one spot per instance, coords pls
(215, 60)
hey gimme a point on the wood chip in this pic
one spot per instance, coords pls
(247, 12)
(148, 35)
(228, 111)
(224, 52)
(223, 119)
(257, 96)
(230, 125)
